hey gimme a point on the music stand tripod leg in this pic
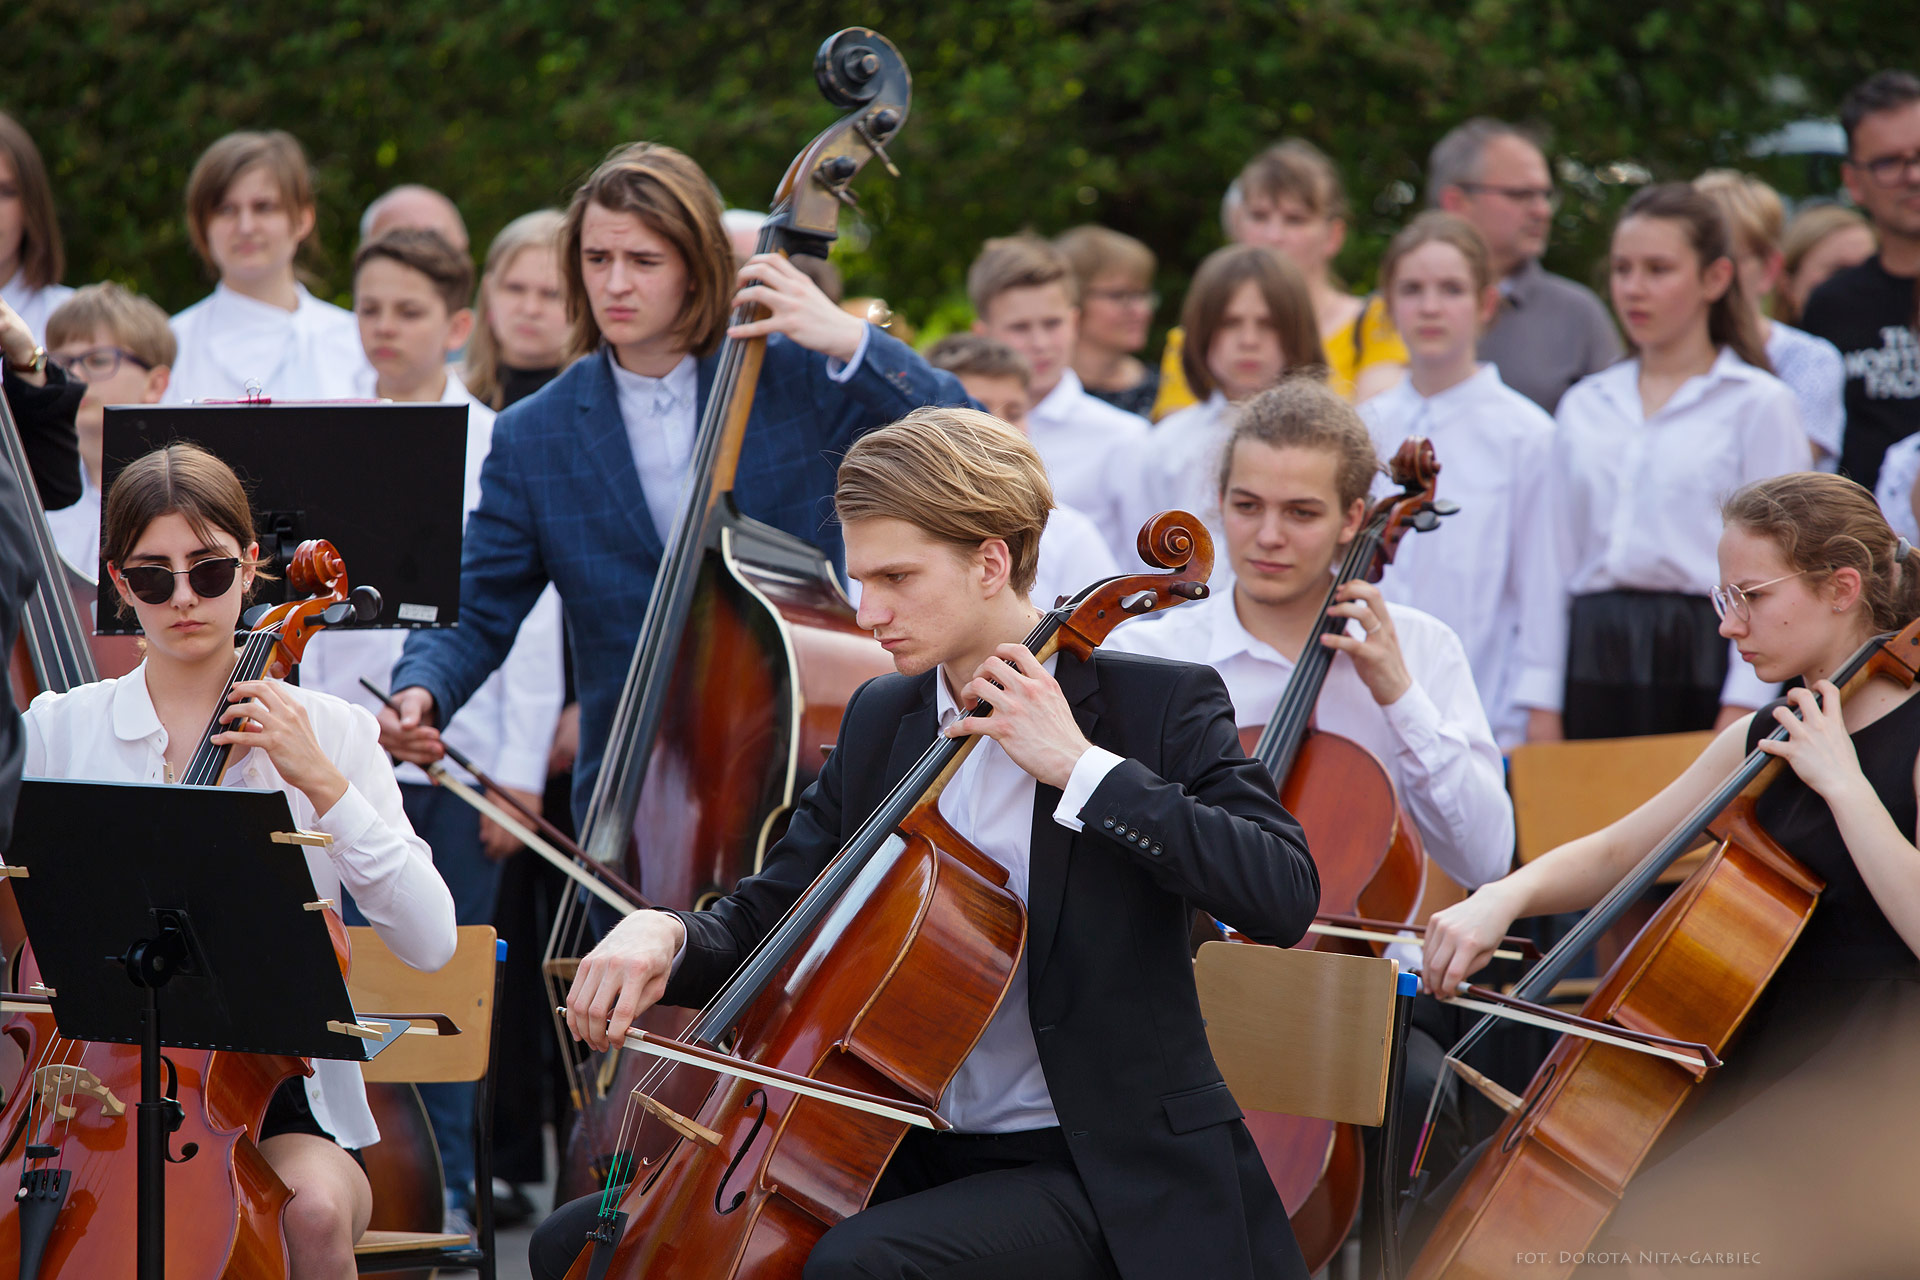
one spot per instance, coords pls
(150, 964)
(1384, 1173)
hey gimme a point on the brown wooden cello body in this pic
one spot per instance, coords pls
(1558, 1166)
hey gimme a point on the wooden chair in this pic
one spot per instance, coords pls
(467, 990)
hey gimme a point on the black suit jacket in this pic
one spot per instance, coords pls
(1185, 821)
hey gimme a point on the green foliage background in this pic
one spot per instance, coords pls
(1038, 113)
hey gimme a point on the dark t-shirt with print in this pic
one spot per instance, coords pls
(1869, 314)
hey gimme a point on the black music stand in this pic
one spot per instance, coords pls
(179, 916)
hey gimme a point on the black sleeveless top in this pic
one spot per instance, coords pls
(1848, 938)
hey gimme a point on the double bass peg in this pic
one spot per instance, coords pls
(872, 128)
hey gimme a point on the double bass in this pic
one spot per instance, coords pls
(1558, 1166)
(1367, 850)
(68, 1140)
(748, 651)
(851, 1017)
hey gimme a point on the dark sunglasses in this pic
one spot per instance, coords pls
(209, 579)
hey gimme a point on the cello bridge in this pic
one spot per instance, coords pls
(60, 1087)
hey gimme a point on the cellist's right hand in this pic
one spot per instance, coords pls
(409, 733)
(623, 977)
(1463, 937)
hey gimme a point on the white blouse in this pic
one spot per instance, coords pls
(1434, 739)
(1634, 502)
(109, 732)
(1175, 466)
(228, 340)
(1492, 444)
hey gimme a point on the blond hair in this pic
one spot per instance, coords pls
(673, 198)
(1809, 228)
(1093, 251)
(1024, 261)
(220, 166)
(1303, 413)
(975, 354)
(959, 476)
(1753, 209)
(1822, 523)
(1438, 227)
(1296, 169)
(135, 323)
(537, 230)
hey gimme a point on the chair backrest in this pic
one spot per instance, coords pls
(1305, 1033)
(462, 989)
(1563, 790)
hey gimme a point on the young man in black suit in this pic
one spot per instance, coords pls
(1093, 1136)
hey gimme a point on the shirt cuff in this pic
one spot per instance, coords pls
(1415, 719)
(1089, 771)
(1540, 688)
(681, 954)
(351, 817)
(841, 372)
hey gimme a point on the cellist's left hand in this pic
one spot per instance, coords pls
(263, 714)
(798, 308)
(1818, 745)
(1031, 719)
(1376, 656)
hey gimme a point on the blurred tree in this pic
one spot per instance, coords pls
(1038, 113)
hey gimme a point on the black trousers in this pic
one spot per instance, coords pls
(949, 1207)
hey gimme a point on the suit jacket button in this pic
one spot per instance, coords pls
(1108, 824)
(1156, 851)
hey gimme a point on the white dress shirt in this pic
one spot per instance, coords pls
(228, 340)
(507, 726)
(1894, 489)
(1078, 435)
(76, 529)
(1001, 1088)
(1635, 501)
(1175, 466)
(34, 305)
(1492, 444)
(109, 732)
(1433, 739)
(1815, 370)
(662, 415)
(1073, 553)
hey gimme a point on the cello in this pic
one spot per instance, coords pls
(1367, 850)
(1560, 1163)
(748, 651)
(853, 1014)
(67, 1136)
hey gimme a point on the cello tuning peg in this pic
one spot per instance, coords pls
(1139, 602)
(1425, 522)
(1442, 507)
(1189, 590)
(366, 603)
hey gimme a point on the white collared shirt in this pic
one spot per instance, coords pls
(34, 305)
(1492, 444)
(1175, 466)
(1078, 435)
(108, 731)
(1634, 502)
(1893, 490)
(1817, 372)
(1073, 553)
(1001, 1088)
(76, 529)
(1434, 739)
(228, 340)
(507, 727)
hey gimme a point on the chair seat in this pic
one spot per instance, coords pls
(403, 1241)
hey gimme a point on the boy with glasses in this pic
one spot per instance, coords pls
(118, 343)
(1869, 311)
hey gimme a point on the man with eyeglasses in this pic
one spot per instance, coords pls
(1550, 332)
(1870, 311)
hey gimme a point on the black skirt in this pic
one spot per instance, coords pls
(1641, 662)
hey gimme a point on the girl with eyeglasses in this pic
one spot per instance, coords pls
(1619, 637)
(179, 545)
(1117, 303)
(1800, 1148)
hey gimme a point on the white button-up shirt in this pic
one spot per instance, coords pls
(1078, 436)
(1815, 370)
(507, 726)
(76, 529)
(1073, 553)
(1175, 467)
(1634, 502)
(34, 305)
(1433, 739)
(1001, 1088)
(109, 732)
(228, 340)
(1492, 444)
(1893, 490)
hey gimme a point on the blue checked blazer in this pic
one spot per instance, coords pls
(561, 502)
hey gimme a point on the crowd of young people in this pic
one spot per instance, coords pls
(1600, 580)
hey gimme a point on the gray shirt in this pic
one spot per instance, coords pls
(1548, 334)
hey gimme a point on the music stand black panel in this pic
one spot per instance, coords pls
(385, 483)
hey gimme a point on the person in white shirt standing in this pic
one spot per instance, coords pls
(410, 296)
(1644, 453)
(250, 209)
(1492, 443)
(1024, 293)
(32, 258)
(180, 547)
(1073, 552)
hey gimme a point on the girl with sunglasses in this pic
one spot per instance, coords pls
(179, 546)
(1808, 571)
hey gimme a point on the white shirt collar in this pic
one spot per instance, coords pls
(945, 709)
(134, 719)
(1228, 638)
(1621, 383)
(680, 385)
(1057, 403)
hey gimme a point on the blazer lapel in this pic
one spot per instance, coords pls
(1051, 847)
(603, 432)
(915, 734)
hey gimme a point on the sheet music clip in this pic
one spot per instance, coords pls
(254, 393)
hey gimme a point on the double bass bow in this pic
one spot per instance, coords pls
(851, 1017)
(1559, 1164)
(748, 651)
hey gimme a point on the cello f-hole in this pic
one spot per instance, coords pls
(740, 1197)
(1533, 1100)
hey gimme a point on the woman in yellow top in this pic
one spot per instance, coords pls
(1289, 197)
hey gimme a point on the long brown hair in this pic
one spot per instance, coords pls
(1730, 320)
(1282, 287)
(176, 479)
(1825, 522)
(43, 259)
(537, 230)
